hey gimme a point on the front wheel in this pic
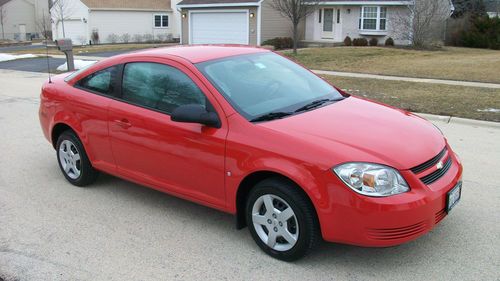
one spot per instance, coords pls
(281, 219)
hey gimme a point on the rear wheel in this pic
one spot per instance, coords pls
(281, 219)
(73, 160)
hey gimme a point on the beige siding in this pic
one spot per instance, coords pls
(275, 25)
(252, 22)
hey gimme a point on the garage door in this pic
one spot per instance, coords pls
(219, 27)
(74, 29)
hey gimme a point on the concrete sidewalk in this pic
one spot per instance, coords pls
(409, 79)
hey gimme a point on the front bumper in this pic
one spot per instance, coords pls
(388, 221)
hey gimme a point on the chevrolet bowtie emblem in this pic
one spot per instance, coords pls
(439, 165)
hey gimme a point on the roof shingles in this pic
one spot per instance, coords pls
(128, 4)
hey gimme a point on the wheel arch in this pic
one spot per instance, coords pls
(57, 130)
(250, 181)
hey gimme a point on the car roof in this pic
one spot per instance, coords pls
(200, 53)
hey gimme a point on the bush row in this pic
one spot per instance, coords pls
(279, 43)
(365, 42)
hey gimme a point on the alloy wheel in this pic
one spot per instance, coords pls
(275, 222)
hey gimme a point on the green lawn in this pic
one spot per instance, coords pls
(458, 101)
(449, 63)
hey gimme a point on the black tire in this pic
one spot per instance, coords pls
(308, 225)
(87, 173)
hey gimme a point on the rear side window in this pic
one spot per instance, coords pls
(159, 86)
(101, 81)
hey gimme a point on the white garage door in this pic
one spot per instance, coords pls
(219, 27)
(74, 29)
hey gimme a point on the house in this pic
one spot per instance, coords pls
(21, 20)
(113, 21)
(230, 22)
(337, 19)
(492, 8)
(254, 21)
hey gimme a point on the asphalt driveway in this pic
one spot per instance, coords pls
(117, 230)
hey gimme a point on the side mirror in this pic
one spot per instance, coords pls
(195, 113)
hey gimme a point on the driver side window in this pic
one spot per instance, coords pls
(159, 86)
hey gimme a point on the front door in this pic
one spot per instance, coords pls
(22, 32)
(327, 23)
(148, 147)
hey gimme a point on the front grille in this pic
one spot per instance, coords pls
(426, 165)
(437, 174)
(396, 233)
(440, 216)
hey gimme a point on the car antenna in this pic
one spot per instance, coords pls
(47, 51)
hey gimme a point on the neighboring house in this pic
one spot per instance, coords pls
(230, 22)
(337, 19)
(21, 18)
(254, 21)
(492, 8)
(113, 20)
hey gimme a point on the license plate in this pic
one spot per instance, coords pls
(453, 196)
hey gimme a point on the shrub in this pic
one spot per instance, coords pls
(113, 38)
(484, 33)
(389, 41)
(360, 42)
(137, 38)
(161, 37)
(95, 36)
(280, 43)
(348, 41)
(374, 42)
(125, 37)
(148, 38)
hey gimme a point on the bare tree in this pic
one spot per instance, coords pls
(61, 11)
(422, 22)
(295, 11)
(3, 17)
(43, 25)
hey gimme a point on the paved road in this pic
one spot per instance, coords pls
(116, 230)
(21, 48)
(32, 65)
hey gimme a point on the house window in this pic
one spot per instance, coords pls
(373, 18)
(161, 21)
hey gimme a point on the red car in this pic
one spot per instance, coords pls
(251, 133)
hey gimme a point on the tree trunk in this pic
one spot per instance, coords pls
(295, 37)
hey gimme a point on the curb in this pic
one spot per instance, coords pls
(458, 120)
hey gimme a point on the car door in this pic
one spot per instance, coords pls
(91, 96)
(182, 158)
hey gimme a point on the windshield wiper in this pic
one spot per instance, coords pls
(271, 116)
(317, 103)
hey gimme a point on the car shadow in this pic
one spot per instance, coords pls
(326, 254)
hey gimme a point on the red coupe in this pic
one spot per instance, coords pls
(251, 133)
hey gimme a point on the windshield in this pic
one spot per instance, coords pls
(257, 85)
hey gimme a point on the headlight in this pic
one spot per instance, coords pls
(372, 179)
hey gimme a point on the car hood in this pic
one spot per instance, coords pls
(355, 129)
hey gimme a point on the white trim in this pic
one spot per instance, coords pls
(259, 22)
(246, 11)
(161, 21)
(377, 21)
(250, 4)
(132, 10)
(358, 3)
